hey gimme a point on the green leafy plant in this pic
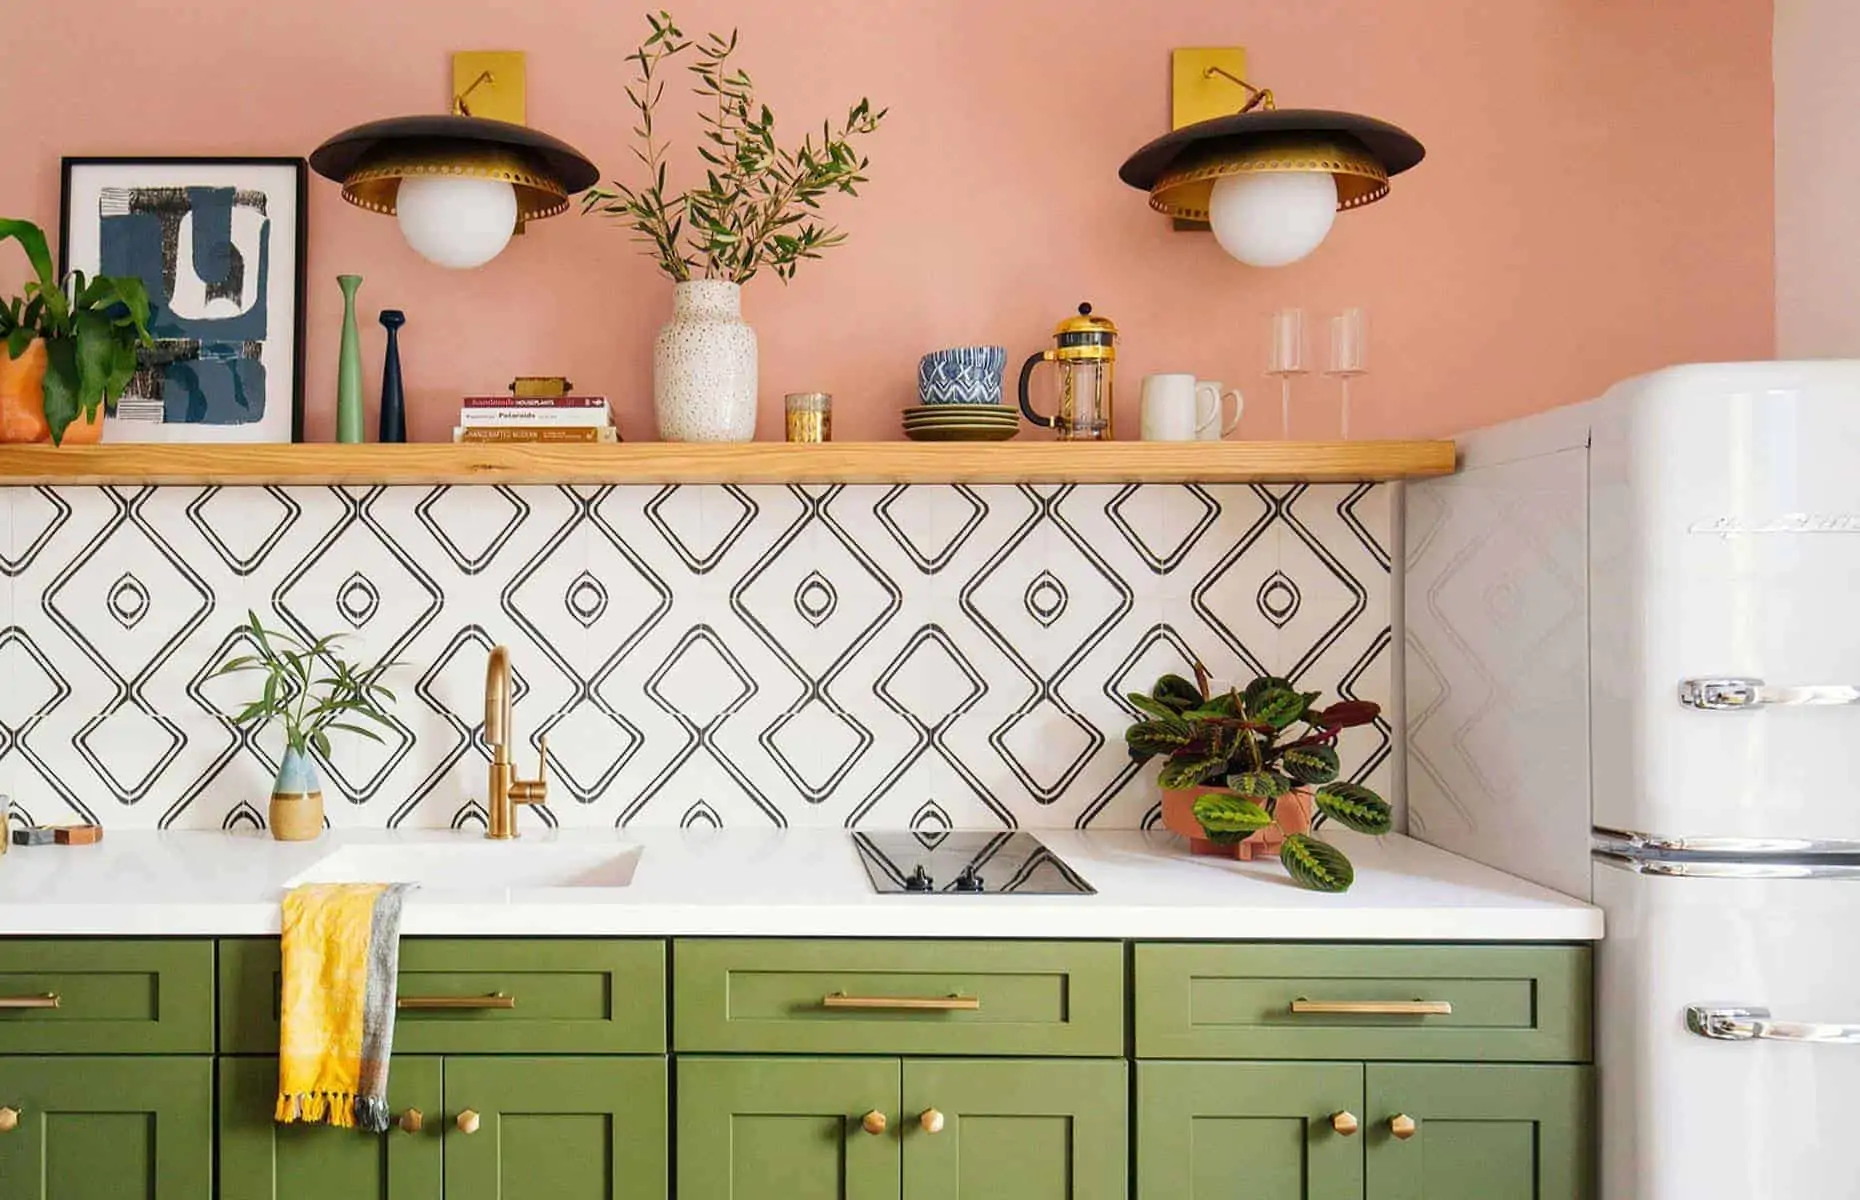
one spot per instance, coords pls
(759, 203)
(1255, 747)
(309, 688)
(91, 327)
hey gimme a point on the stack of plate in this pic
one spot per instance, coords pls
(960, 423)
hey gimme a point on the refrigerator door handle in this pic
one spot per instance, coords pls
(1729, 694)
(1748, 1023)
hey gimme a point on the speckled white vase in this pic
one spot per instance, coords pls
(704, 366)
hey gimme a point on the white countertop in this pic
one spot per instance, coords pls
(790, 883)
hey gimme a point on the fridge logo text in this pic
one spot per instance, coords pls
(1787, 523)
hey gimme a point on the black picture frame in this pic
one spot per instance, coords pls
(300, 252)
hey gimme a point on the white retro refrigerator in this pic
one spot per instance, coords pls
(1632, 664)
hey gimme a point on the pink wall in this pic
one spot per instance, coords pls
(1598, 198)
(1817, 177)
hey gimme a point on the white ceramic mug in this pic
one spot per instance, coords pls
(1217, 429)
(1177, 409)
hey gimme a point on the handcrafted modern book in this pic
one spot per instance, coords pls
(219, 244)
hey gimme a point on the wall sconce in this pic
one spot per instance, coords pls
(1270, 181)
(460, 185)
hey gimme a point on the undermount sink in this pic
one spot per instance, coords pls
(479, 868)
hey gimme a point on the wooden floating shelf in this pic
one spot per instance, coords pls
(746, 463)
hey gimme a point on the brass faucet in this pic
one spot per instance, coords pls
(506, 790)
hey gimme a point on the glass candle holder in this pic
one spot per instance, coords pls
(809, 416)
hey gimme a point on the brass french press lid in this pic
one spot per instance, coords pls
(1086, 336)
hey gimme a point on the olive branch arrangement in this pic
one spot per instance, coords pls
(759, 203)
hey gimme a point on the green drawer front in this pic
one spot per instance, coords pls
(1509, 1003)
(1031, 998)
(571, 996)
(112, 997)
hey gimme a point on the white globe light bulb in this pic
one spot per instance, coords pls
(1273, 219)
(456, 221)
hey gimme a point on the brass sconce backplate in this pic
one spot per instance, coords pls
(489, 84)
(1199, 92)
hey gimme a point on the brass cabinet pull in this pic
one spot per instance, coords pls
(9, 1119)
(950, 1003)
(46, 1000)
(873, 1122)
(931, 1120)
(468, 1121)
(1402, 1126)
(412, 1121)
(1344, 1122)
(1373, 1008)
(494, 1000)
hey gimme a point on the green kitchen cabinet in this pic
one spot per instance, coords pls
(1252, 1130)
(556, 1129)
(1479, 1132)
(262, 1160)
(788, 1129)
(107, 1128)
(913, 1129)
(1025, 1129)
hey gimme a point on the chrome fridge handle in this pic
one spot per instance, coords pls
(1748, 1023)
(1724, 695)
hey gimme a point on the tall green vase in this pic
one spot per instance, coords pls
(349, 369)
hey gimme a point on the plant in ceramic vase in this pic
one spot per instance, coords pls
(70, 346)
(757, 208)
(1255, 770)
(310, 690)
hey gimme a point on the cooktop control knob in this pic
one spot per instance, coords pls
(919, 881)
(969, 881)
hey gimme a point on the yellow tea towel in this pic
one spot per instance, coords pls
(336, 1016)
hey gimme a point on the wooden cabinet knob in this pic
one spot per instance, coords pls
(873, 1122)
(9, 1119)
(1402, 1126)
(468, 1121)
(931, 1120)
(1344, 1122)
(412, 1121)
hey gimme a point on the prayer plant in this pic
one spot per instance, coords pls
(1253, 747)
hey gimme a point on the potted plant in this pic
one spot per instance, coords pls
(70, 347)
(309, 690)
(1255, 771)
(757, 208)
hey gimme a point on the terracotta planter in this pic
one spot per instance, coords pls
(1293, 811)
(22, 402)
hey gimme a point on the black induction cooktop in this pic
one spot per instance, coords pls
(962, 862)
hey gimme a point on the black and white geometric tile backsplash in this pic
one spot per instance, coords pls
(918, 656)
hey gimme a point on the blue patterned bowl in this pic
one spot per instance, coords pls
(962, 375)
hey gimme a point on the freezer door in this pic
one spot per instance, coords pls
(1686, 1116)
(1724, 558)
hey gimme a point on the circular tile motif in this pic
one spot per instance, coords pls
(1279, 599)
(357, 600)
(815, 599)
(128, 601)
(586, 599)
(1046, 599)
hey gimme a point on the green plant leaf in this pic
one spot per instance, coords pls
(1150, 707)
(31, 239)
(1310, 764)
(1226, 705)
(1356, 807)
(1317, 865)
(1149, 738)
(96, 359)
(1262, 785)
(1276, 706)
(1176, 692)
(1191, 771)
(18, 340)
(61, 386)
(1224, 813)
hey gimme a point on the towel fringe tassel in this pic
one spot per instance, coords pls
(342, 1110)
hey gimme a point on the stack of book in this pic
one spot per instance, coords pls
(511, 418)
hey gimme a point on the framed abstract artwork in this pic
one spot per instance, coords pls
(219, 243)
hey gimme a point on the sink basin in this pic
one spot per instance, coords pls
(479, 868)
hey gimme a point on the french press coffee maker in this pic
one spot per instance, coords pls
(1086, 354)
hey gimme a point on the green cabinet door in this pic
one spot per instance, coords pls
(1480, 1133)
(1248, 1131)
(556, 1129)
(263, 1160)
(1029, 1129)
(107, 1129)
(788, 1129)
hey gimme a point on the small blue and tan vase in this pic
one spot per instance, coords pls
(297, 799)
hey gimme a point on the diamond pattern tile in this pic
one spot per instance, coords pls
(911, 657)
